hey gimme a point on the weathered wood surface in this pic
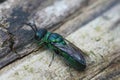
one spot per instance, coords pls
(19, 11)
(99, 38)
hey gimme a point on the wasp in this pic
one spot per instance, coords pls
(55, 42)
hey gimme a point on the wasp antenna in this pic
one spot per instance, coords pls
(33, 26)
(32, 22)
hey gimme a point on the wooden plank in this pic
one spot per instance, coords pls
(19, 40)
(99, 39)
(85, 16)
(20, 11)
(100, 42)
(15, 12)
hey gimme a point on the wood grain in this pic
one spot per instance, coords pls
(93, 26)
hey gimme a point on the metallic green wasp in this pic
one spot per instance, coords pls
(70, 53)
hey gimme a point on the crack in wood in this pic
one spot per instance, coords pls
(109, 65)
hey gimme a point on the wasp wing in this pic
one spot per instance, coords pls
(72, 50)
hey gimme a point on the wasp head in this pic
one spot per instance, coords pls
(39, 34)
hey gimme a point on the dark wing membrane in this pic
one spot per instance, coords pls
(72, 50)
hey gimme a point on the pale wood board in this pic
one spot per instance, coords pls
(99, 38)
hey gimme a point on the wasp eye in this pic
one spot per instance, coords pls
(40, 34)
(37, 36)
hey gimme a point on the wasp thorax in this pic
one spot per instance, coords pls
(40, 34)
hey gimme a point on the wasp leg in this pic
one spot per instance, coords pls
(69, 68)
(51, 60)
(14, 50)
(54, 51)
(40, 43)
